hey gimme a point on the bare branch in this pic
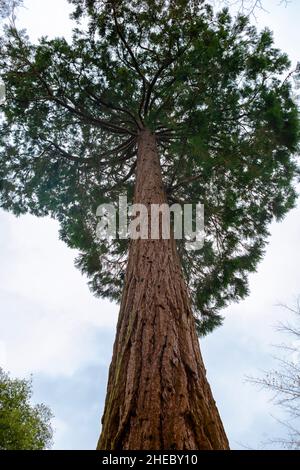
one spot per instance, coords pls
(284, 382)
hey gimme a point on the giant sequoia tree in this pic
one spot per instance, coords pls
(170, 103)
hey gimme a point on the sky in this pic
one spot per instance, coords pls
(53, 327)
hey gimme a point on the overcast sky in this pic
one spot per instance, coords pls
(53, 327)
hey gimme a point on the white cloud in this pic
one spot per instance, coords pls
(45, 18)
(48, 311)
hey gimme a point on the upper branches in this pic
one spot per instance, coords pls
(207, 85)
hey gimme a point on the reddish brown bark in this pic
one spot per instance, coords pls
(158, 396)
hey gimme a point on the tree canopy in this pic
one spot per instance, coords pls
(208, 85)
(22, 425)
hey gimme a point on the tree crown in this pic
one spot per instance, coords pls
(210, 88)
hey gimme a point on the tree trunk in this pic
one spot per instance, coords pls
(158, 396)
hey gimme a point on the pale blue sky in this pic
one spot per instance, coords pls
(53, 327)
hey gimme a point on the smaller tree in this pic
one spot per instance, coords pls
(284, 382)
(22, 426)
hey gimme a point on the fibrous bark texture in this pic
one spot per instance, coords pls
(158, 396)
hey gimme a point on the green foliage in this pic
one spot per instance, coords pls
(209, 86)
(22, 426)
